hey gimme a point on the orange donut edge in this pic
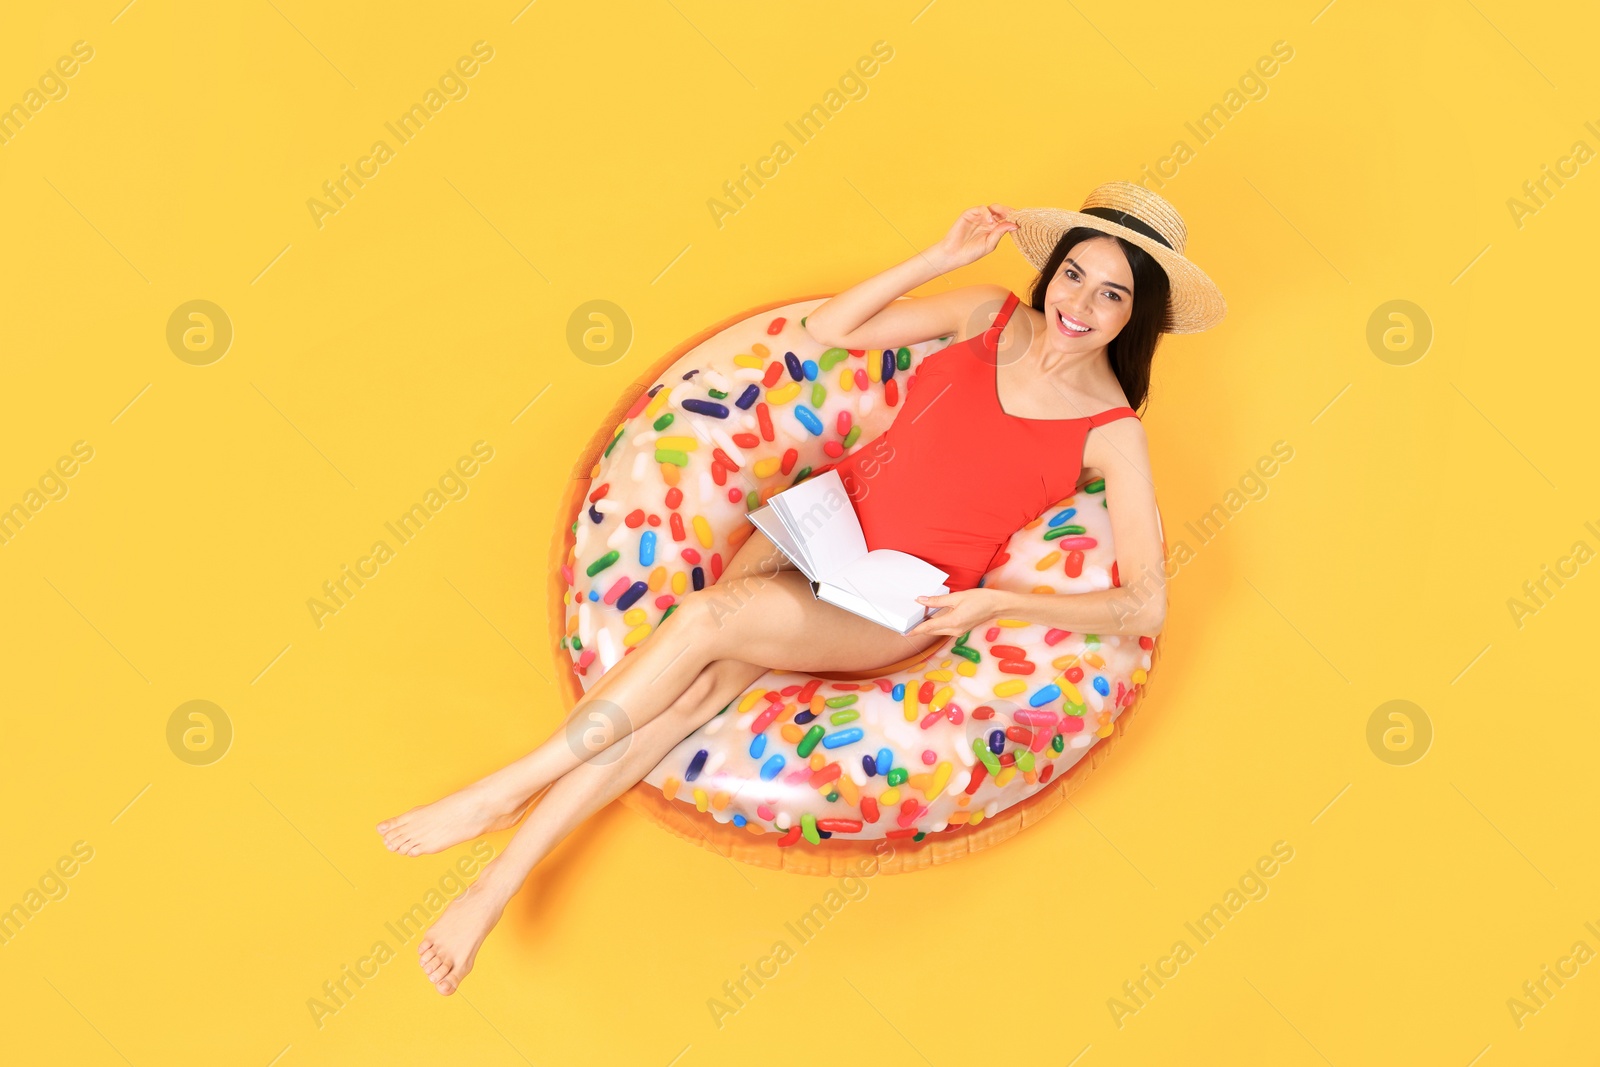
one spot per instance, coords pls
(757, 846)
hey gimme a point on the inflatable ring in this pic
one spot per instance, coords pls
(949, 752)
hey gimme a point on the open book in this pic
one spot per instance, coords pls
(815, 525)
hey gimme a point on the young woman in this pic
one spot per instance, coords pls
(1020, 411)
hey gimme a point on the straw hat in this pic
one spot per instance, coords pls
(1137, 215)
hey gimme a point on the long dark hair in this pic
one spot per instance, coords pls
(1133, 349)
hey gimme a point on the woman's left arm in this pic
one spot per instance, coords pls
(1137, 606)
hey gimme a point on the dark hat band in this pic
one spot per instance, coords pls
(1122, 218)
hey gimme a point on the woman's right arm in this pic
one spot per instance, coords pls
(871, 315)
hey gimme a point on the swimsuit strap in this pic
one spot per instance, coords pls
(1100, 418)
(991, 336)
(1005, 311)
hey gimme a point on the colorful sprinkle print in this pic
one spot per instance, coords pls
(951, 741)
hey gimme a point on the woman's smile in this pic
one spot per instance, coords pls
(1071, 326)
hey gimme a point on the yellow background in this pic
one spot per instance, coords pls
(370, 353)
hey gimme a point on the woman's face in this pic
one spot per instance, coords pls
(1090, 299)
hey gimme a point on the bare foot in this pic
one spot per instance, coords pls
(471, 812)
(451, 945)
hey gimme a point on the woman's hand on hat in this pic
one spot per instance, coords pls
(975, 234)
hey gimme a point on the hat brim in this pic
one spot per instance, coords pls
(1195, 303)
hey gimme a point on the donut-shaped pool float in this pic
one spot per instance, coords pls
(944, 754)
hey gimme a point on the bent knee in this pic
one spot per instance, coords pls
(710, 691)
(698, 693)
(689, 617)
(732, 590)
(694, 606)
(710, 616)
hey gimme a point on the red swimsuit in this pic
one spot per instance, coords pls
(954, 476)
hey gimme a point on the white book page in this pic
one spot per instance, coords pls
(767, 521)
(819, 516)
(890, 582)
(843, 598)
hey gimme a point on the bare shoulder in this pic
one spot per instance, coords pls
(985, 293)
(1117, 450)
(978, 305)
(911, 320)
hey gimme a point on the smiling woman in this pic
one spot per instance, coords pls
(808, 740)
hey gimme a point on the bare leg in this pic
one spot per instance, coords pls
(635, 690)
(780, 625)
(451, 945)
(787, 629)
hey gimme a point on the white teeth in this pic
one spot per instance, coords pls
(1069, 325)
